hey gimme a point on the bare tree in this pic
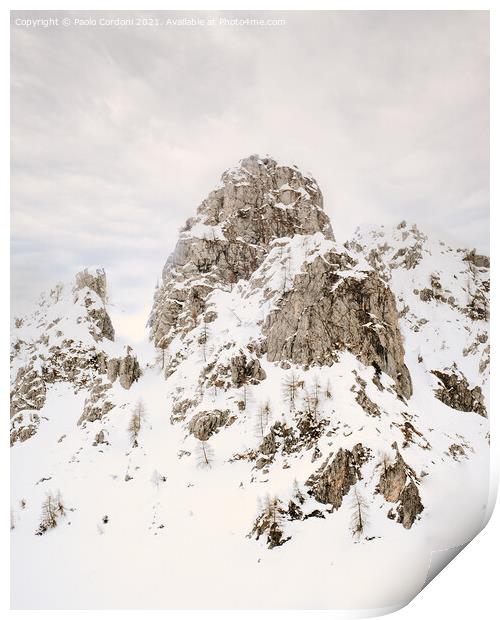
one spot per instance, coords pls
(328, 389)
(203, 340)
(205, 454)
(52, 509)
(136, 421)
(311, 403)
(157, 479)
(359, 517)
(263, 417)
(291, 387)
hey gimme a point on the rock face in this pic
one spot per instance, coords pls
(337, 475)
(244, 370)
(97, 405)
(205, 423)
(87, 286)
(126, 369)
(398, 484)
(457, 394)
(260, 294)
(328, 311)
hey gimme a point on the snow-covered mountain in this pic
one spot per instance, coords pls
(310, 414)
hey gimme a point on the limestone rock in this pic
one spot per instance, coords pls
(205, 423)
(398, 484)
(97, 405)
(337, 475)
(244, 370)
(457, 394)
(259, 201)
(326, 312)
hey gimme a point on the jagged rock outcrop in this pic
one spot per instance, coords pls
(29, 390)
(205, 423)
(126, 369)
(66, 340)
(455, 392)
(337, 475)
(244, 370)
(97, 405)
(270, 524)
(87, 283)
(398, 484)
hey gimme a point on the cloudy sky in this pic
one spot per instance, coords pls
(119, 133)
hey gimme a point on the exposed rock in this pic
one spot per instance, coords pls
(270, 523)
(457, 394)
(29, 391)
(95, 282)
(23, 426)
(181, 408)
(398, 485)
(393, 479)
(205, 423)
(129, 370)
(326, 312)
(87, 283)
(96, 405)
(333, 480)
(478, 260)
(409, 506)
(101, 438)
(457, 452)
(244, 370)
(366, 404)
(113, 369)
(227, 240)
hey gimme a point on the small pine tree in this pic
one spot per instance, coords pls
(203, 340)
(359, 517)
(311, 403)
(157, 479)
(291, 387)
(136, 422)
(52, 509)
(263, 418)
(205, 455)
(328, 389)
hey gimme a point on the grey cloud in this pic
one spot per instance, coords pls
(118, 134)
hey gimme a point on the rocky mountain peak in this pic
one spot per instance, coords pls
(264, 234)
(260, 200)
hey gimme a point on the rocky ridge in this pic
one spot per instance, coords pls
(68, 339)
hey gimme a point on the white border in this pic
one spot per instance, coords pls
(468, 586)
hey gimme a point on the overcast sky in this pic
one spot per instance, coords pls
(119, 133)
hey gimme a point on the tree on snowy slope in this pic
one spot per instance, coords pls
(263, 417)
(204, 454)
(359, 518)
(136, 421)
(52, 509)
(291, 386)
